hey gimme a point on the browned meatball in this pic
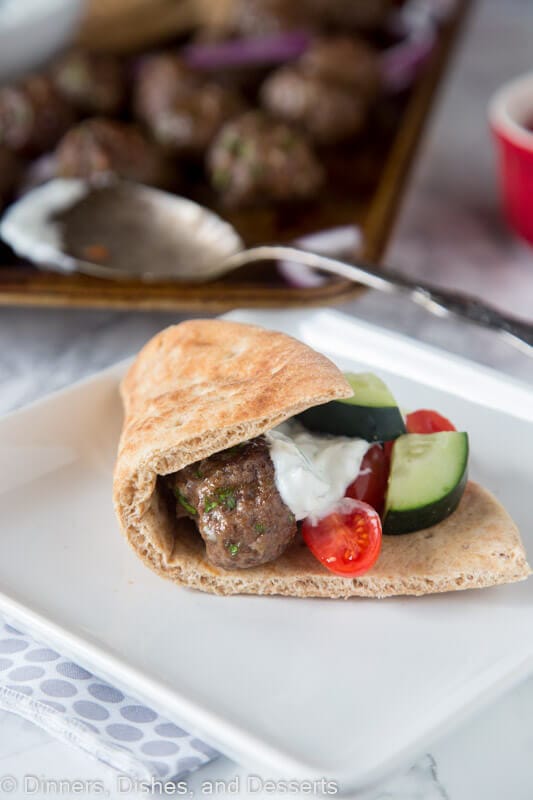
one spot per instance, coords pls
(344, 60)
(326, 111)
(327, 91)
(255, 158)
(182, 110)
(9, 174)
(33, 116)
(233, 499)
(263, 17)
(161, 80)
(355, 15)
(258, 17)
(190, 125)
(99, 147)
(94, 83)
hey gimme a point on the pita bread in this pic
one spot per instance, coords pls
(205, 385)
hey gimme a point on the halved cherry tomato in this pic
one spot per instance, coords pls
(426, 421)
(371, 483)
(387, 449)
(347, 541)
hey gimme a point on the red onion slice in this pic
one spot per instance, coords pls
(401, 64)
(417, 22)
(249, 52)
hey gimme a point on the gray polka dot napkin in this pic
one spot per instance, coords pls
(76, 706)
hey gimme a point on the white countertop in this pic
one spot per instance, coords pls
(450, 232)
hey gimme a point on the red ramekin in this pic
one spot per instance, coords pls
(510, 115)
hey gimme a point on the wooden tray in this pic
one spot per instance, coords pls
(366, 187)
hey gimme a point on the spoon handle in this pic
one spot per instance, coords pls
(441, 302)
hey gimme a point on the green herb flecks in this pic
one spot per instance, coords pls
(227, 498)
(198, 473)
(248, 151)
(289, 140)
(232, 143)
(182, 500)
(259, 528)
(210, 504)
(221, 178)
(232, 548)
(257, 170)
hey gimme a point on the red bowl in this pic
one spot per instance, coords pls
(511, 120)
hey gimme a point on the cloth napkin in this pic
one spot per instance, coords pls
(78, 707)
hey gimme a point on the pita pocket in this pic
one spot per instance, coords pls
(206, 385)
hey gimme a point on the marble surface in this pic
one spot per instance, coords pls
(450, 230)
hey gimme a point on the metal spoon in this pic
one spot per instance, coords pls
(140, 232)
(441, 302)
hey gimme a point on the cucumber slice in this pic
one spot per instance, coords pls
(371, 413)
(427, 480)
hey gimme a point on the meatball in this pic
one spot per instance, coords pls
(328, 112)
(182, 111)
(9, 174)
(33, 116)
(259, 17)
(255, 158)
(192, 122)
(263, 17)
(161, 80)
(355, 15)
(232, 497)
(327, 92)
(344, 60)
(100, 147)
(93, 83)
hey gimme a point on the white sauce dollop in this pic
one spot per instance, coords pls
(313, 470)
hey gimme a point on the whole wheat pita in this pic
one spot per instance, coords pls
(205, 385)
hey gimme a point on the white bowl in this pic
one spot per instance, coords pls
(32, 31)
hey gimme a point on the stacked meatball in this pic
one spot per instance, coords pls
(328, 91)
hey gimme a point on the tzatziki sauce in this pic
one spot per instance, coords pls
(313, 471)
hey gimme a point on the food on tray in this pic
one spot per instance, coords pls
(100, 147)
(222, 484)
(328, 91)
(252, 67)
(267, 16)
(162, 78)
(260, 17)
(259, 65)
(182, 110)
(33, 116)
(255, 158)
(93, 83)
(344, 60)
(361, 15)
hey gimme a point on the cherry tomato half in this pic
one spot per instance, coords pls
(347, 541)
(371, 483)
(387, 449)
(426, 421)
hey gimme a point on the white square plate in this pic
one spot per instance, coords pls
(308, 688)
